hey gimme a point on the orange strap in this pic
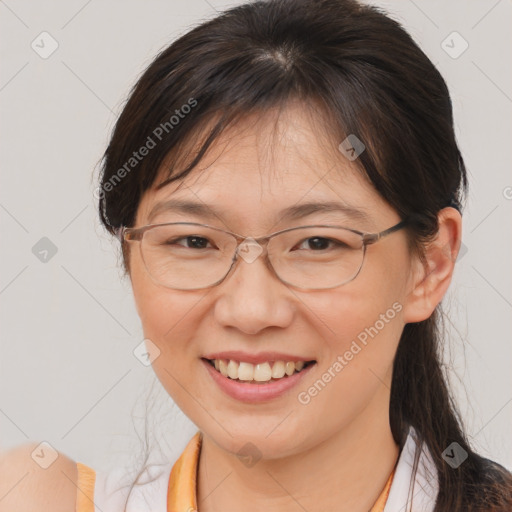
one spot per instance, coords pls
(381, 500)
(181, 494)
(183, 480)
(85, 488)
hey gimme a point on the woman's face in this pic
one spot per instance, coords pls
(251, 174)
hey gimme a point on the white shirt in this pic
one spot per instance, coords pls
(152, 496)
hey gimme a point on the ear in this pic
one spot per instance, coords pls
(430, 281)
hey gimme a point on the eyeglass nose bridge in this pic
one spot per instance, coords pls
(250, 249)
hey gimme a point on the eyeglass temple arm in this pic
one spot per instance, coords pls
(371, 238)
(119, 233)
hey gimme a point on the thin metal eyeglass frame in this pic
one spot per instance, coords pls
(127, 234)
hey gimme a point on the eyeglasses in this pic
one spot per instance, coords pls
(191, 256)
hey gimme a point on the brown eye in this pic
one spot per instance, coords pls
(320, 243)
(191, 242)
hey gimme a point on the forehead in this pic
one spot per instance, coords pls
(265, 163)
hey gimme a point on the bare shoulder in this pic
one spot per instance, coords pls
(35, 477)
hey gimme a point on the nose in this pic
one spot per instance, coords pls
(252, 298)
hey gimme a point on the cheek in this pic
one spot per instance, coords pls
(355, 365)
(368, 307)
(364, 327)
(165, 315)
(167, 318)
(170, 319)
(360, 325)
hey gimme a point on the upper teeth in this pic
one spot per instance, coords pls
(261, 372)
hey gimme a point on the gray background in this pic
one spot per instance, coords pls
(68, 375)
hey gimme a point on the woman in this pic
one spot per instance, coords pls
(286, 186)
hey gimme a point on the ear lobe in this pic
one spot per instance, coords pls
(431, 282)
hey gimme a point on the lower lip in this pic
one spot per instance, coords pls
(255, 393)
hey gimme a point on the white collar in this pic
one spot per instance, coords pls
(422, 494)
(153, 496)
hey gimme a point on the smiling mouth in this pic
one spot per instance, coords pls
(269, 371)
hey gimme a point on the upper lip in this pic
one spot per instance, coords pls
(260, 357)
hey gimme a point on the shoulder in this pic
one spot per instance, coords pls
(35, 477)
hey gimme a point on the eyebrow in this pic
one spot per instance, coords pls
(291, 213)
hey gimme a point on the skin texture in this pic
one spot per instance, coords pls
(337, 451)
(27, 487)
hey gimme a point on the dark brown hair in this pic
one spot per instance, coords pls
(370, 79)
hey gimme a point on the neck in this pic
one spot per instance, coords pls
(346, 472)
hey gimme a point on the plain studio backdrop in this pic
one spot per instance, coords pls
(69, 328)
